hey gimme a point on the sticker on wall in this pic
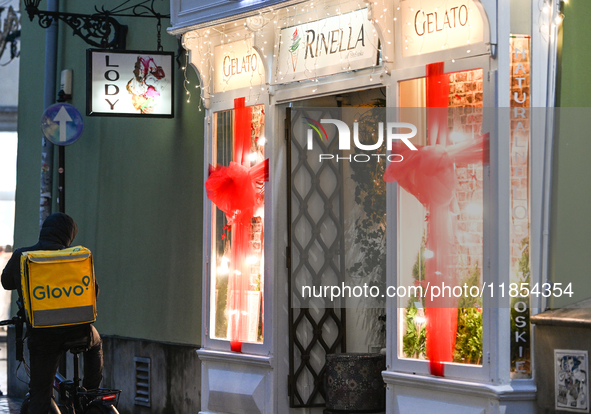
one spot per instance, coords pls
(571, 380)
(129, 83)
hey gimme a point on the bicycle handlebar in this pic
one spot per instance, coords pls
(13, 321)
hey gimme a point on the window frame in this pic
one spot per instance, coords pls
(480, 373)
(209, 342)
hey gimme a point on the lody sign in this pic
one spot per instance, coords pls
(129, 83)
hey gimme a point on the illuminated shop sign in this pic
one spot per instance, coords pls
(237, 65)
(435, 25)
(336, 44)
(129, 83)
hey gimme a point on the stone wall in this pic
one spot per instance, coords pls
(175, 374)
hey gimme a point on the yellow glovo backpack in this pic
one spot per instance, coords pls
(58, 287)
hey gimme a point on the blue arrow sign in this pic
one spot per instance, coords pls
(62, 124)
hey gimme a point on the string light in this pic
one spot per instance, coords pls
(310, 13)
(186, 81)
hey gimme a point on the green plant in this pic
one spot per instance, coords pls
(370, 226)
(468, 348)
(370, 193)
(414, 340)
(469, 338)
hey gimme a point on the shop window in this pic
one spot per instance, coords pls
(440, 222)
(237, 257)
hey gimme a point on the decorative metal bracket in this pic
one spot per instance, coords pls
(100, 29)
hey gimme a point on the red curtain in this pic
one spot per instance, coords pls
(429, 175)
(237, 190)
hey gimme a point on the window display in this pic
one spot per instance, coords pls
(236, 187)
(440, 219)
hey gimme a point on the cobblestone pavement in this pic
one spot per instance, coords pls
(9, 405)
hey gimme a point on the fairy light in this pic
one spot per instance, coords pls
(186, 81)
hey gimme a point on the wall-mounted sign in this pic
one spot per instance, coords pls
(336, 44)
(435, 25)
(237, 65)
(62, 124)
(129, 83)
(521, 337)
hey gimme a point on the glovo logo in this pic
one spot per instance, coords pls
(49, 292)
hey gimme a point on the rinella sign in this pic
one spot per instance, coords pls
(344, 134)
(436, 25)
(324, 47)
(237, 65)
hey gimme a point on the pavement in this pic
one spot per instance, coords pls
(10, 405)
(7, 405)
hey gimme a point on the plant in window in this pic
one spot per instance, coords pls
(414, 339)
(370, 227)
(468, 348)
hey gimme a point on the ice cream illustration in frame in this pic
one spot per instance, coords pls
(293, 49)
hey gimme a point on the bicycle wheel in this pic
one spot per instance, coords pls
(101, 409)
(53, 409)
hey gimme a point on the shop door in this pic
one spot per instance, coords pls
(337, 216)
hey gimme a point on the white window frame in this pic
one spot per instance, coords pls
(480, 373)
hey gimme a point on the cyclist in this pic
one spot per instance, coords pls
(46, 345)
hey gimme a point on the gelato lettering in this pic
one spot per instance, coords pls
(232, 66)
(49, 292)
(438, 21)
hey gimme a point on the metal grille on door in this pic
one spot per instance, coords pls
(315, 255)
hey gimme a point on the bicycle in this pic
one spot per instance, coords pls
(74, 398)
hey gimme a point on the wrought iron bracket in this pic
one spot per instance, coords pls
(100, 29)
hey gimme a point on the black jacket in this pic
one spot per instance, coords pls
(58, 232)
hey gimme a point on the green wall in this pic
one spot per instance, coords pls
(571, 193)
(134, 186)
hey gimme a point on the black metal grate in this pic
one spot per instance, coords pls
(142, 381)
(315, 256)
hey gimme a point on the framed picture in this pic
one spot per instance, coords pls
(571, 380)
(129, 83)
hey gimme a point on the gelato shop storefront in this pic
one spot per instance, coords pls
(372, 203)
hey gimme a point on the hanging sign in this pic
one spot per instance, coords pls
(129, 83)
(324, 47)
(237, 65)
(436, 25)
(62, 124)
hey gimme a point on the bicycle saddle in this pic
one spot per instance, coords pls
(78, 345)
